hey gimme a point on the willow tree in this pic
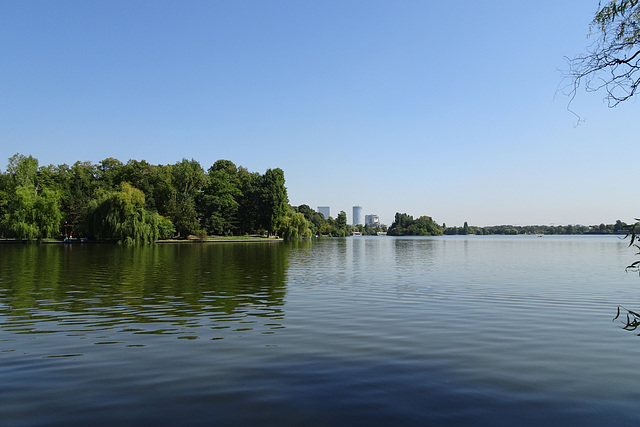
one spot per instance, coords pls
(32, 215)
(121, 216)
(612, 62)
(294, 226)
(30, 210)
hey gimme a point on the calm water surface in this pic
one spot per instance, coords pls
(357, 331)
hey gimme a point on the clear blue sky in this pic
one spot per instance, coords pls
(447, 109)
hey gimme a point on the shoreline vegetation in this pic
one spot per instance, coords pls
(137, 202)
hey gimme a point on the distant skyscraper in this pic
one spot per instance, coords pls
(357, 210)
(372, 220)
(325, 211)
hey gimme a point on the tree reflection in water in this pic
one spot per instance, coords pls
(183, 289)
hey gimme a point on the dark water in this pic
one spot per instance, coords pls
(358, 331)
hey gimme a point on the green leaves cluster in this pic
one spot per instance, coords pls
(618, 20)
(27, 210)
(405, 225)
(121, 216)
(31, 215)
(137, 202)
(294, 226)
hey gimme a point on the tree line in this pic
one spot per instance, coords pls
(618, 228)
(137, 202)
(406, 225)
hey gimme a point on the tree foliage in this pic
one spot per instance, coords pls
(138, 202)
(22, 169)
(405, 225)
(121, 216)
(294, 226)
(220, 198)
(274, 201)
(31, 215)
(617, 228)
(315, 219)
(612, 62)
(28, 210)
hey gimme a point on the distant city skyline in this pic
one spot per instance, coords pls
(371, 220)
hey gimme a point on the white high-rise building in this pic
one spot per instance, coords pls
(357, 211)
(325, 211)
(372, 220)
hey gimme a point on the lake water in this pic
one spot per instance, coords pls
(471, 330)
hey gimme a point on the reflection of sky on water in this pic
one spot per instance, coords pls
(455, 330)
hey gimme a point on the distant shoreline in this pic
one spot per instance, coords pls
(220, 239)
(256, 239)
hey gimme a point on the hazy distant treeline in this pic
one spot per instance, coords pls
(618, 228)
(406, 225)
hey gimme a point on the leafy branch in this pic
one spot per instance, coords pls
(633, 233)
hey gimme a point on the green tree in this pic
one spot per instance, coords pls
(425, 226)
(138, 174)
(188, 179)
(31, 210)
(4, 196)
(109, 173)
(22, 169)
(219, 198)
(341, 224)
(328, 227)
(226, 199)
(121, 216)
(166, 229)
(400, 224)
(405, 225)
(274, 202)
(47, 213)
(250, 201)
(159, 191)
(294, 226)
(32, 215)
(79, 191)
(316, 219)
